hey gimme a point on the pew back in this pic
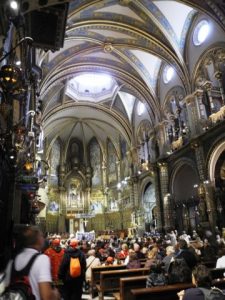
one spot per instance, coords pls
(95, 278)
(167, 292)
(127, 284)
(110, 280)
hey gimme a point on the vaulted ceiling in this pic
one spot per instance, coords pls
(113, 59)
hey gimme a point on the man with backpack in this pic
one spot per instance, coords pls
(203, 291)
(72, 272)
(28, 276)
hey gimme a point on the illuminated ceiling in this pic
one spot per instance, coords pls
(129, 41)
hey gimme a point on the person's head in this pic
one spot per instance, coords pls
(55, 243)
(170, 250)
(124, 247)
(183, 244)
(73, 243)
(201, 276)
(132, 255)
(91, 252)
(32, 237)
(136, 247)
(221, 252)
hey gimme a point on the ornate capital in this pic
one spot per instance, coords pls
(218, 75)
(198, 93)
(207, 85)
(189, 99)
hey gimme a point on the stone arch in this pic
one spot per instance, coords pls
(148, 202)
(215, 152)
(184, 195)
(181, 166)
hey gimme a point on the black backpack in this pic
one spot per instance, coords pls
(179, 272)
(213, 294)
(19, 287)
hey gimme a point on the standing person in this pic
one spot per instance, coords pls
(31, 241)
(91, 262)
(55, 253)
(72, 288)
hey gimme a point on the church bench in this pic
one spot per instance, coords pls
(110, 280)
(167, 292)
(95, 277)
(127, 284)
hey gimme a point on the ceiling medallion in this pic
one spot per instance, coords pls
(108, 48)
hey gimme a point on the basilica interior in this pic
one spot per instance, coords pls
(112, 115)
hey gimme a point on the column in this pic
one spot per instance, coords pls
(192, 111)
(208, 86)
(210, 204)
(162, 137)
(218, 76)
(201, 108)
(166, 198)
(159, 215)
(104, 184)
(62, 203)
(208, 197)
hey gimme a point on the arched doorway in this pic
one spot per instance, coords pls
(186, 202)
(217, 176)
(149, 203)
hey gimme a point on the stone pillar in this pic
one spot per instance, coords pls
(160, 128)
(208, 86)
(192, 111)
(210, 204)
(200, 106)
(87, 193)
(135, 191)
(104, 184)
(218, 76)
(166, 199)
(208, 189)
(159, 215)
(62, 204)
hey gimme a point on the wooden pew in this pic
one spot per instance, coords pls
(95, 275)
(167, 292)
(126, 284)
(110, 280)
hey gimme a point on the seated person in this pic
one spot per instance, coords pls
(151, 257)
(157, 275)
(134, 262)
(202, 280)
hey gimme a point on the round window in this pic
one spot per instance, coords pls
(140, 108)
(168, 74)
(201, 32)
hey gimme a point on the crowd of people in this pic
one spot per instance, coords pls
(171, 258)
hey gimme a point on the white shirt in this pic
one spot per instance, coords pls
(220, 263)
(91, 263)
(39, 272)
